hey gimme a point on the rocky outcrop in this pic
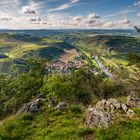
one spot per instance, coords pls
(112, 106)
(133, 101)
(105, 112)
(32, 107)
(98, 118)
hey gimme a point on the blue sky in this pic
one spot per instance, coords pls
(48, 14)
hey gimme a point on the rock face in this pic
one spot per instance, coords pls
(32, 107)
(112, 106)
(133, 101)
(61, 106)
(105, 112)
(98, 118)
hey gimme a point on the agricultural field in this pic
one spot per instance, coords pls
(13, 46)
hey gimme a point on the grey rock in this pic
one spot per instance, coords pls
(98, 118)
(124, 107)
(112, 106)
(32, 107)
(52, 103)
(133, 101)
(61, 106)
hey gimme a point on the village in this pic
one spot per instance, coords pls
(64, 68)
(66, 65)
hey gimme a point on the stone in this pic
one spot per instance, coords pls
(133, 101)
(112, 106)
(61, 106)
(32, 107)
(98, 118)
(124, 107)
(112, 109)
(130, 113)
(101, 104)
(52, 103)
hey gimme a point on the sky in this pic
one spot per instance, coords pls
(69, 14)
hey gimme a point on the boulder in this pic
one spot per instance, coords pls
(112, 106)
(105, 112)
(133, 101)
(32, 107)
(98, 118)
(61, 106)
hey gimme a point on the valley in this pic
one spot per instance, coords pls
(70, 85)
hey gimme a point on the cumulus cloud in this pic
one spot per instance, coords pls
(64, 6)
(93, 16)
(78, 18)
(118, 24)
(35, 19)
(27, 10)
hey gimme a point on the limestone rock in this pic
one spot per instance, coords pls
(124, 107)
(112, 106)
(32, 107)
(61, 106)
(98, 118)
(130, 113)
(133, 101)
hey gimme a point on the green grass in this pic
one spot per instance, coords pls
(120, 58)
(89, 57)
(122, 130)
(21, 50)
(16, 128)
(65, 125)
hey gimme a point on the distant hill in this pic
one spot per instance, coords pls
(52, 32)
(22, 46)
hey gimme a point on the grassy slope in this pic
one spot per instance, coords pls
(69, 125)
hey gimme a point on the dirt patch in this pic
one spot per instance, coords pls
(69, 56)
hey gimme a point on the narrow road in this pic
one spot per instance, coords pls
(104, 70)
(99, 64)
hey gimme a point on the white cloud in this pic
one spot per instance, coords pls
(5, 19)
(138, 14)
(27, 10)
(32, 7)
(137, 4)
(8, 2)
(32, 18)
(118, 24)
(93, 16)
(64, 6)
(35, 19)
